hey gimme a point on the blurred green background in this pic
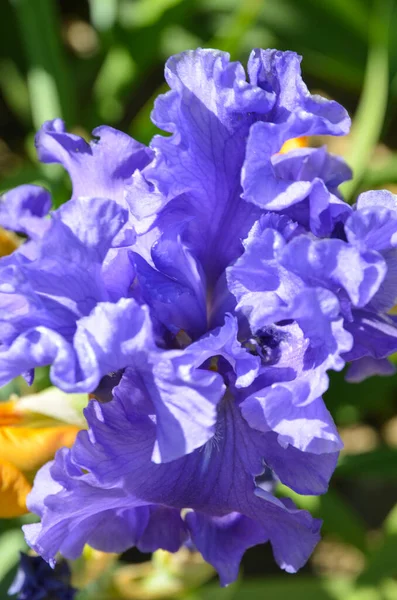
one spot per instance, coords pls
(101, 61)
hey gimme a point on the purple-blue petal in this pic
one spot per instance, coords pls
(23, 210)
(113, 460)
(222, 541)
(100, 168)
(365, 367)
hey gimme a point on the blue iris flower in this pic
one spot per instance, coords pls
(36, 580)
(201, 288)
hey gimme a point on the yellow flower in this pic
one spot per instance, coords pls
(294, 143)
(14, 487)
(29, 448)
(8, 242)
(32, 429)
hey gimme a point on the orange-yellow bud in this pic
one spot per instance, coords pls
(8, 242)
(294, 143)
(14, 487)
(29, 448)
(32, 429)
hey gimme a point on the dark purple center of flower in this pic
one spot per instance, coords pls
(266, 343)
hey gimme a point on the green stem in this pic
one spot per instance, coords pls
(369, 118)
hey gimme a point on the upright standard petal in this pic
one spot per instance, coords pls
(210, 112)
(310, 114)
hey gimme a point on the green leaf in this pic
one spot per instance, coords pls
(26, 174)
(370, 115)
(381, 463)
(353, 13)
(49, 83)
(382, 562)
(361, 397)
(144, 12)
(332, 49)
(341, 519)
(338, 516)
(11, 542)
(299, 587)
(214, 592)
